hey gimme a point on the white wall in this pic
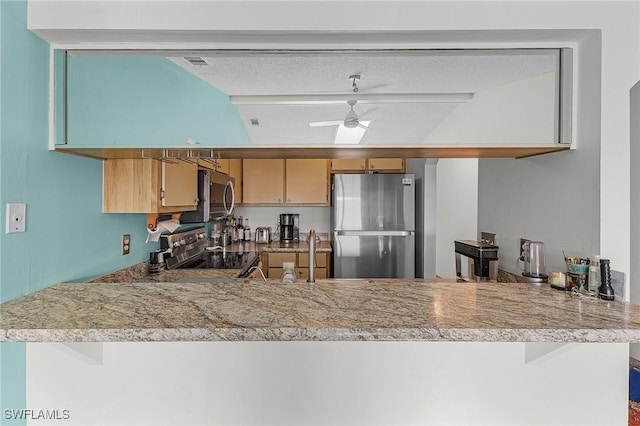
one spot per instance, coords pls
(425, 174)
(331, 383)
(456, 210)
(521, 111)
(635, 201)
(551, 198)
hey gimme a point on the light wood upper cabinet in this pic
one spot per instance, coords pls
(221, 165)
(341, 165)
(296, 182)
(148, 186)
(179, 184)
(262, 181)
(307, 182)
(386, 164)
(235, 171)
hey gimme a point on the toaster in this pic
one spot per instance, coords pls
(263, 235)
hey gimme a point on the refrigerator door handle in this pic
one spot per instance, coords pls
(375, 233)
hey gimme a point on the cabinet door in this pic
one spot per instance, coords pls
(341, 164)
(307, 182)
(130, 186)
(263, 181)
(303, 273)
(221, 165)
(387, 164)
(179, 184)
(235, 171)
(321, 260)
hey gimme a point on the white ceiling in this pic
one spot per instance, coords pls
(295, 73)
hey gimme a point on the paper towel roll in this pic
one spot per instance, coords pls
(153, 235)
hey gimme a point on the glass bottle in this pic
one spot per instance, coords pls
(240, 230)
(594, 274)
(247, 230)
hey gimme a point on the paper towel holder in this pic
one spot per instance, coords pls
(154, 218)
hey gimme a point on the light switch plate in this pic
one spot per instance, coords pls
(16, 218)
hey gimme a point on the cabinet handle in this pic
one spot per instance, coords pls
(371, 166)
(288, 200)
(279, 200)
(362, 166)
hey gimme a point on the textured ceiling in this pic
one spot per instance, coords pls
(282, 73)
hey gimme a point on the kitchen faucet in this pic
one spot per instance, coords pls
(312, 255)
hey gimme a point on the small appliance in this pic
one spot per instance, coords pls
(263, 235)
(533, 261)
(482, 260)
(289, 228)
(216, 198)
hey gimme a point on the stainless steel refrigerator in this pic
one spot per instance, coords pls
(373, 225)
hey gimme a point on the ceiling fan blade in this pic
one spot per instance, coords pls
(325, 123)
(363, 126)
(367, 112)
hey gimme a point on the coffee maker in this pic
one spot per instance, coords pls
(289, 228)
(482, 260)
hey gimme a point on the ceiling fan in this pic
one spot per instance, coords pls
(351, 120)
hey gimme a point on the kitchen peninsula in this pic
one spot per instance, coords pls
(214, 306)
(392, 351)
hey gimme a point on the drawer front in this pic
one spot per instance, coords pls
(274, 273)
(321, 260)
(276, 259)
(303, 273)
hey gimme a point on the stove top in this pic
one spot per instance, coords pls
(184, 247)
(188, 250)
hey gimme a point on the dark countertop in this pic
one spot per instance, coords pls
(301, 247)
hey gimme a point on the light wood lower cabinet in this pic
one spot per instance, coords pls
(273, 261)
(148, 186)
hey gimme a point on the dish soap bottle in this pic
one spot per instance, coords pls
(594, 275)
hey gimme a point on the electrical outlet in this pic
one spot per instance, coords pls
(16, 218)
(126, 243)
(488, 238)
(522, 241)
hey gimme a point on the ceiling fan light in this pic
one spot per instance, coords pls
(349, 136)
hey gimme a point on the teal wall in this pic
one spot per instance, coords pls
(67, 237)
(133, 101)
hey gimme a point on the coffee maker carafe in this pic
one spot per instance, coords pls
(289, 228)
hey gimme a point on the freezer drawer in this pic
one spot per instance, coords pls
(362, 254)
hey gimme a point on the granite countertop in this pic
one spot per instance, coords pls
(330, 309)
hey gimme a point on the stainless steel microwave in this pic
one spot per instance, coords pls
(216, 197)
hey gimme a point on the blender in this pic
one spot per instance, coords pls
(533, 259)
